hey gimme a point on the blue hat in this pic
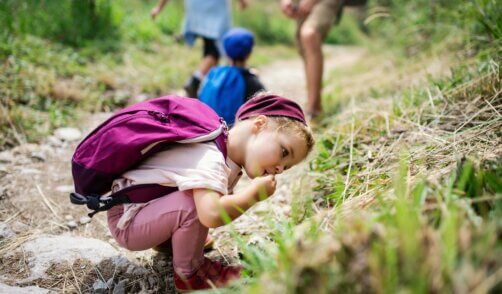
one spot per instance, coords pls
(238, 43)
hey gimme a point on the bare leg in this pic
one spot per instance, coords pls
(311, 43)
(206, 63)
(192, 85)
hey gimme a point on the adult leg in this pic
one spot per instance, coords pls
(311, 43)
(311, 32)
(170, 217)
(210, 58)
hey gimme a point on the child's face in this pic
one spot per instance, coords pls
(270, 151)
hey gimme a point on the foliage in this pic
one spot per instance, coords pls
(414, 26)
(407, 194)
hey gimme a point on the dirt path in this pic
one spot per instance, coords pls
(35, 180)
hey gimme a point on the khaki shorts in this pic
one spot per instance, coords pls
(323, 16)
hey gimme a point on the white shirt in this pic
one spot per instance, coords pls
(186, 166)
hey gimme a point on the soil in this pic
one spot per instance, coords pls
(35, 180)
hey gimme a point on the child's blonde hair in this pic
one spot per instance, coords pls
(294, 127)
(290, 125)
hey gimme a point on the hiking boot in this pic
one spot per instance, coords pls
(211, 274)
(191, 86)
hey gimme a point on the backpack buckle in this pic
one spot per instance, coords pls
(225, 126)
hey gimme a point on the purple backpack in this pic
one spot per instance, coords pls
(133, 134)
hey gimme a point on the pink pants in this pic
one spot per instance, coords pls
(170, 217)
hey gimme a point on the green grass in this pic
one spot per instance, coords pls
(56, 67)
(406, 193)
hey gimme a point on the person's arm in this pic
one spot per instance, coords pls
(305, 6)
(288, 8)
(212, 206)
(157, 9)
(243, 4)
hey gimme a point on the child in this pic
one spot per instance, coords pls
(226, 88)
(269, 137)
(207, 20)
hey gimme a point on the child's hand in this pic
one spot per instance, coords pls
(155, 11)
(265, 186)
(243, 4)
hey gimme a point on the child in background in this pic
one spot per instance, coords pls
(208, 20)
(270, 136)
(226, 88)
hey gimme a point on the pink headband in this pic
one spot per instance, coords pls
(271, 105)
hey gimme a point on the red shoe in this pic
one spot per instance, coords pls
(211, 274)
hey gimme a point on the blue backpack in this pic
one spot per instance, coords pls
(223, 90)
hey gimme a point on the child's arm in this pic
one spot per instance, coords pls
(243, 4)
(211, 205)
(157, 9)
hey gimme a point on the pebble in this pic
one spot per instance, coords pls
(120, 288)
(19, 227)
(39, 156)
(100, 287)
(6, 156)
(68, 134)
(54, 141)
(72, 224)
(68, 217)
(120, 262)
(6, 231)
(109, 283)
(3, 170)
(65, 189)
(29, 171)
(85, 219)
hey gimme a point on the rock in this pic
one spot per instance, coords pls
(6, 156)
(72, 224)
(141, 97)
(152, 281)
(109, 283)
(68, 134)
(29, 171)
(85, 219)
(22, 290)
(135, 270)
(65, 188)
(39, 156)
(54, 141)
(19, 227)
(6, 231)
(139, 271)
(47, 250)
(3, 170)
(68, 217)
(120, 288)
(100, 287)
(121, 262)
(256, 241)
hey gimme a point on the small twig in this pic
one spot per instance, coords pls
(494, 109)
(47, 203)
(489, 282)
(350, 157)
(12, 217)
(470, 201)
(221, 253)
(75, 277)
